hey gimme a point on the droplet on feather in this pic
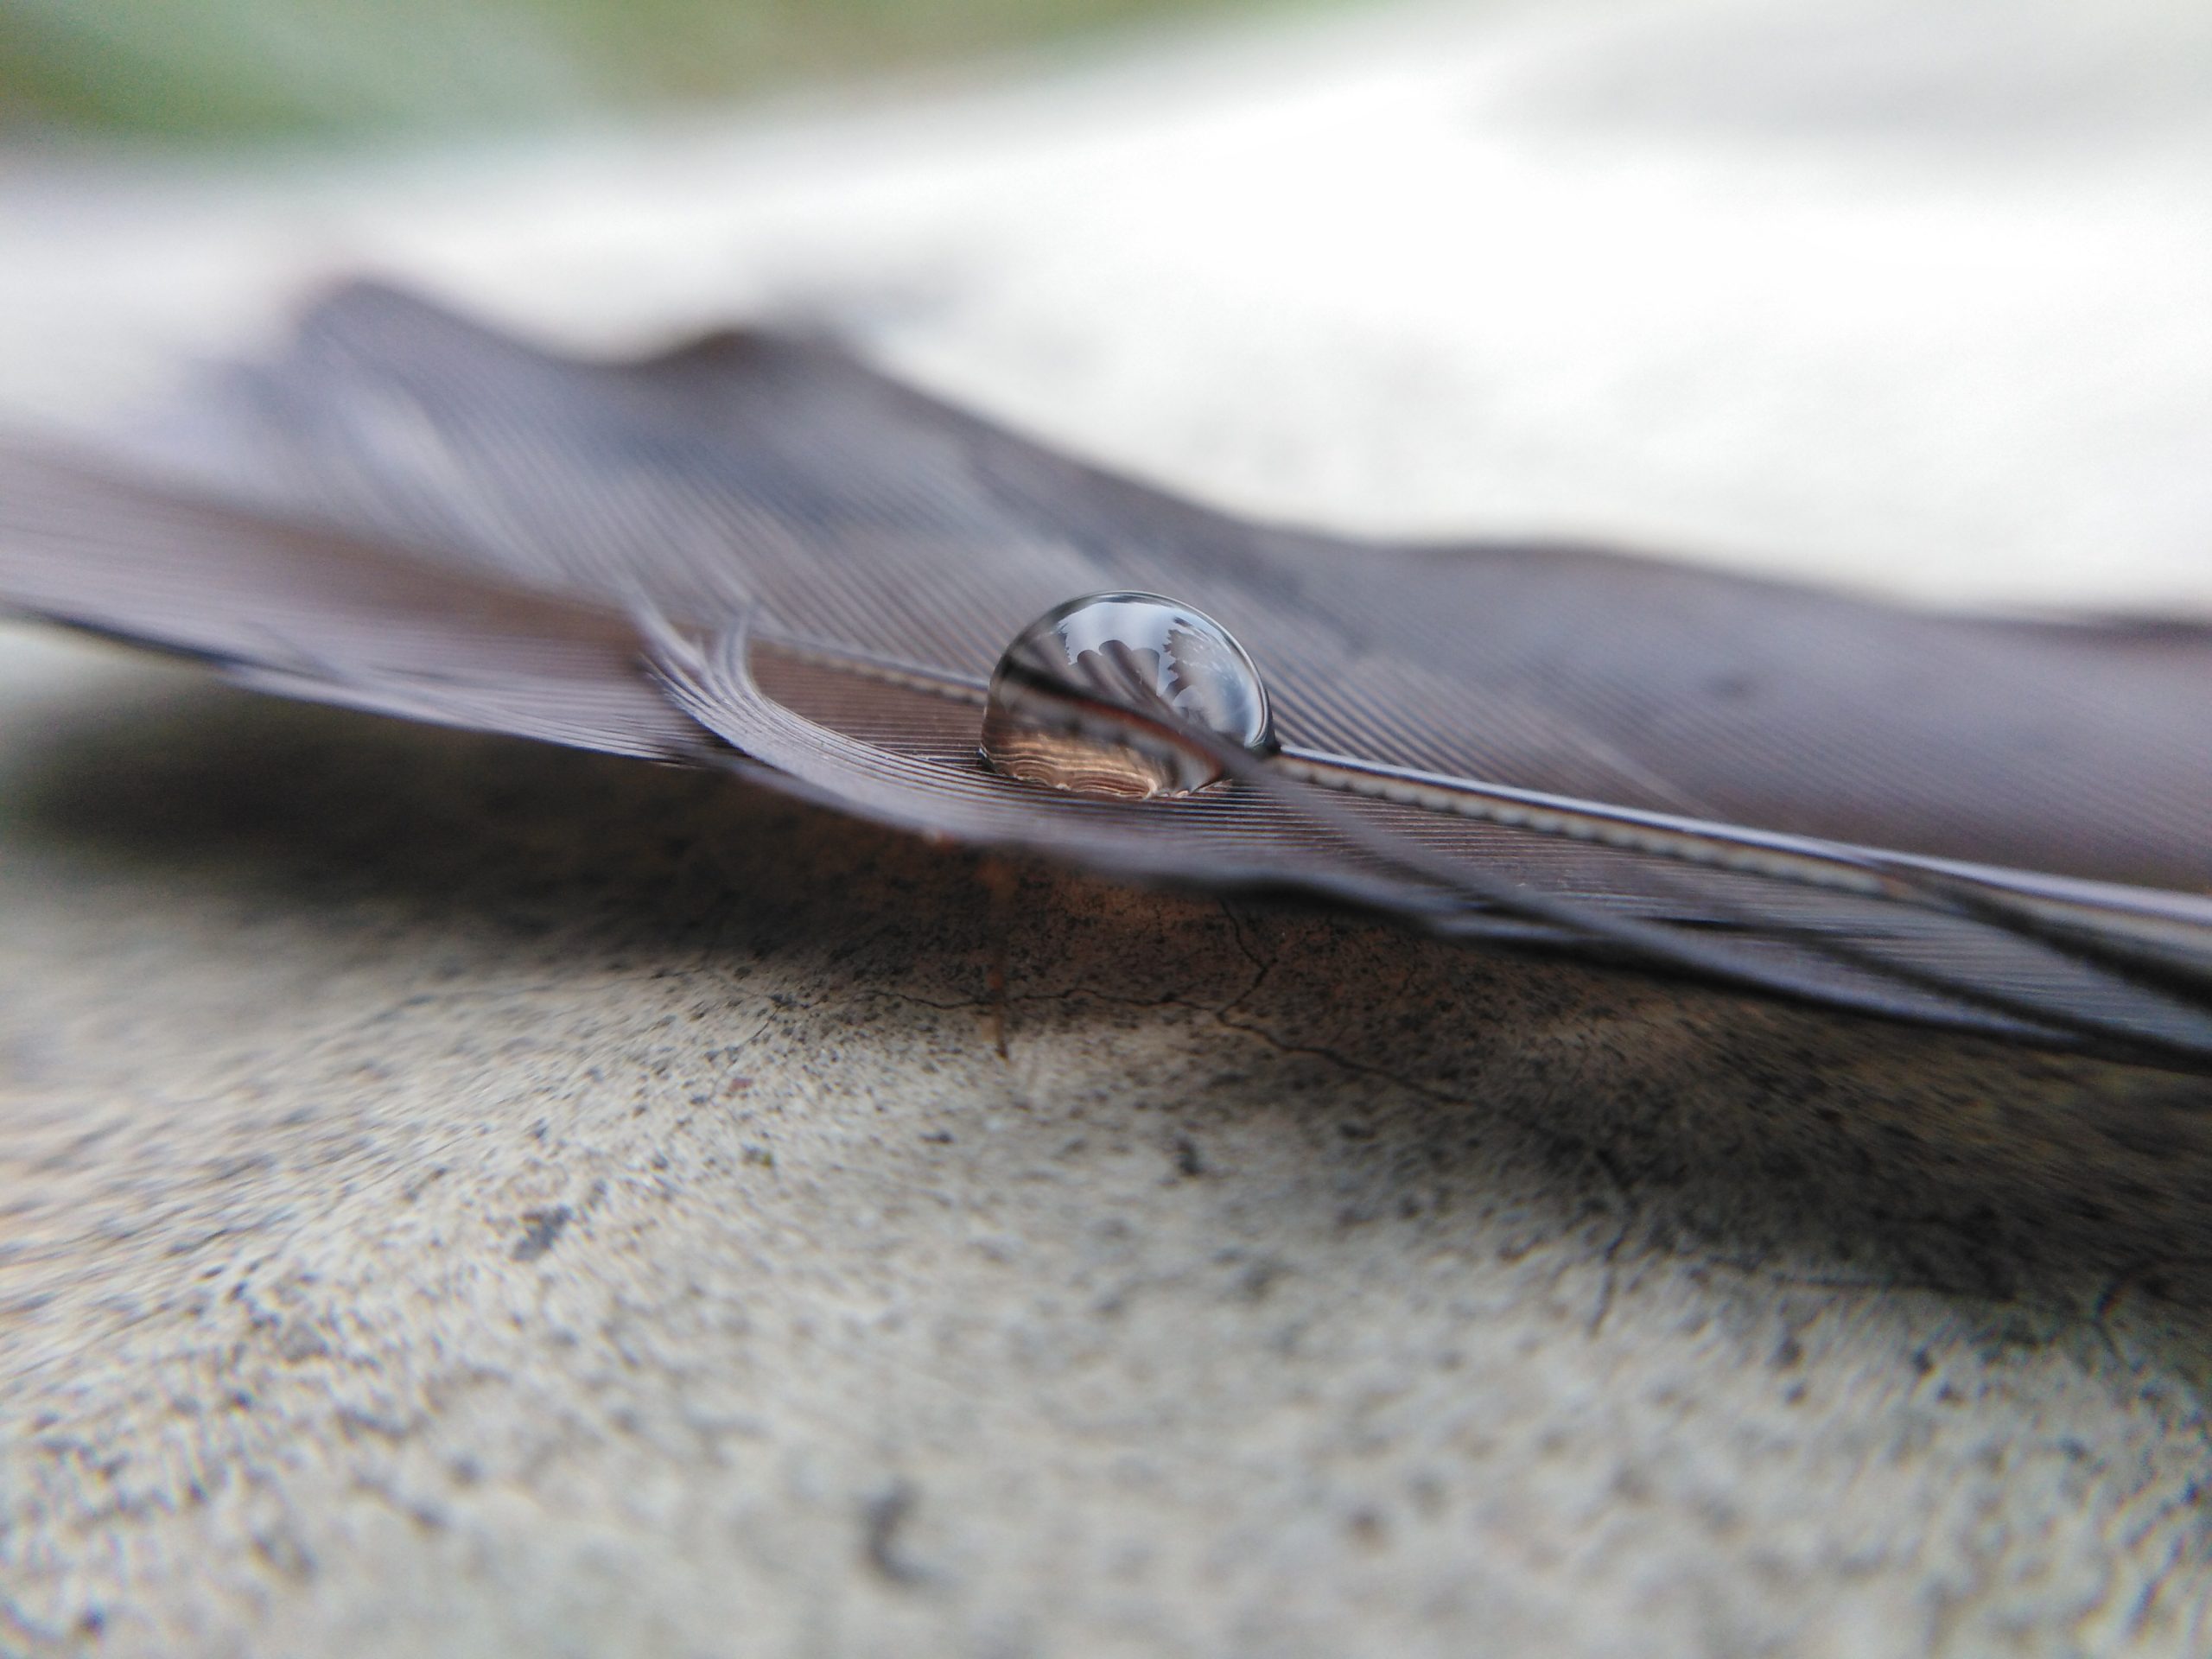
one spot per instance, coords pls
(1095, 695)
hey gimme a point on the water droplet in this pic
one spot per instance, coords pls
(1064, 695)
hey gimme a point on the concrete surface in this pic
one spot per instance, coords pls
(456, 1197)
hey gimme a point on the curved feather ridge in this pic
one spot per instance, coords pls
(1996, 825)
(1912, 970)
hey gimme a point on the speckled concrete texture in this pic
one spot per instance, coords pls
(461, 1197)
(458, 1197)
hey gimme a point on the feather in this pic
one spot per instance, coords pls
(756, 552)
(311, 611)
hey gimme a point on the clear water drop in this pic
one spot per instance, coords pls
(1088, 697)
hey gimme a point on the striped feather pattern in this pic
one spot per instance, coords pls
(754, 551)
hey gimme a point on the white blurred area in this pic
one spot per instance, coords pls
(1911, 296)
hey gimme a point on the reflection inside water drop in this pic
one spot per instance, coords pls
(1088, 697)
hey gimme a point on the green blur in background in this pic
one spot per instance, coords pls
(294, 69)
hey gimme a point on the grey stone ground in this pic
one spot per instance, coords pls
(463, 1197)
(458, 1197)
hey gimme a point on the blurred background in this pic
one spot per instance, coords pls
(197, 71)
(1912, 295)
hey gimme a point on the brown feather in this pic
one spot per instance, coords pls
(419, 515)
